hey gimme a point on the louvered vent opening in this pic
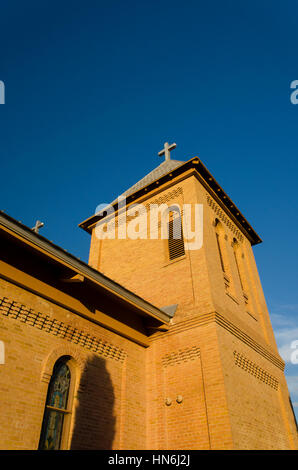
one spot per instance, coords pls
(176, 241)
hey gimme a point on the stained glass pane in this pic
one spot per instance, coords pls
(53, 423)
(57, 398)
(59, 387)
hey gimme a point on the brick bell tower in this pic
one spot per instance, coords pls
(215, 379)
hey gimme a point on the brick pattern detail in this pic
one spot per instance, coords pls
(224, 323)
(143, 209)
(224, 218)
(166, 197)
(185, 355)
(17, 311)
(255, 370)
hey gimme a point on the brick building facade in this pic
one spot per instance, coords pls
(150, 345)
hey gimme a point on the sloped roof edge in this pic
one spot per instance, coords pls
(211, 185)
(25, 233)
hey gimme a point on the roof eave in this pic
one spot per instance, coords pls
(211, 184)
(44, 245)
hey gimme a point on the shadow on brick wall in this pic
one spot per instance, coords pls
(94, 419)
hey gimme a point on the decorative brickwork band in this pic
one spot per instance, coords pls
(145, 208)
(166, 197)
(224, 218)
(227, 325)
(185, 355)
(255, 370)
(60, 329)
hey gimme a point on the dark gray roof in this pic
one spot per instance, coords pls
(164, 168)
(170, 309)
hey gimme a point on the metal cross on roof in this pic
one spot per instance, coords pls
(37, 226)
(166, 150)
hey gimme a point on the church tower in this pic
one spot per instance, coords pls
(214, 378)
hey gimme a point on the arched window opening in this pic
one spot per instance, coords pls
(217, 233)
(244, 278)
(225, 258)
(56, 408)
(236, 254)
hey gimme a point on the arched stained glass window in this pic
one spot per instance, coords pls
(56, 407)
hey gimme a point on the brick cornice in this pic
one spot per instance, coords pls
(223, 322)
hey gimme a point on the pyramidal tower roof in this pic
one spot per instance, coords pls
(162, 169)
(169, 169)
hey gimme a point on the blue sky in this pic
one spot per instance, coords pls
(94, 89)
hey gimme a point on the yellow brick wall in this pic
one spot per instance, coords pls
(257, 397)
(219, 354)
(223, 407)
(143, 265)
(108, 409)
(186, 362)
